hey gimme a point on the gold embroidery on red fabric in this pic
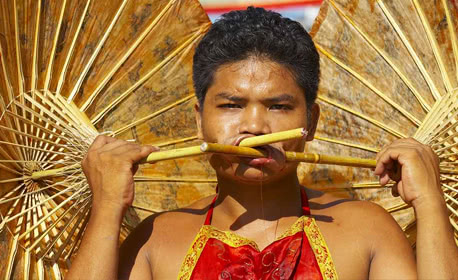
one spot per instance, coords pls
(193, 254)
(320, 249)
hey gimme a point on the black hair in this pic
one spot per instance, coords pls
(239, 35)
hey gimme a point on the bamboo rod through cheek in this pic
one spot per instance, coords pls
(274, 137)
(290, 156)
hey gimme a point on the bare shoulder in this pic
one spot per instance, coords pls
(348, 211)
(164, 238)
(181, 221)
(359, 234)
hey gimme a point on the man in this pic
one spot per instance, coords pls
(257, 73)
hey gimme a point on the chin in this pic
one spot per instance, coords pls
(247, 175)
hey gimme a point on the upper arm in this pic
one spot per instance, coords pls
(134, 261)
(391, 255)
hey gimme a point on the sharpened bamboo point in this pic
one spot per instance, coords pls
(172, 154)
(274, 137)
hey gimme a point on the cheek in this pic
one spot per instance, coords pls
(217, 129)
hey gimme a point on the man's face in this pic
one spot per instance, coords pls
(248, 98)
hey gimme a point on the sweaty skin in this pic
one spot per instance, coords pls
(260, 199)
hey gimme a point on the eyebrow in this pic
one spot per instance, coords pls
(224, 95)
(280, 98)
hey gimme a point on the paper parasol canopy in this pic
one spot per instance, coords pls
(71, 70)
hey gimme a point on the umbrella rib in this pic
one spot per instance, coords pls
(364, 117)
(80, 214)
(176, 141)
(5, 154)
(26, 252)
(385, 56)
(40, 127)
(55, 266)
(61, 80)
(352, 145)
(54, 46)
(11, 192)
(412, 52)
(65, 122)
(16, 151)
(432, 118)
(57, 238)
(2, 166)
(453, 37)
(146, 209)
(20, 72)
(32, 148)
(36, 154)
(434, 46)
(35, 48)
(367, 185)
(19, 65)
(127, 93)
(54, 210)
(20, 152)
(13, 250)
(34, 113)
(451, 189)
(10, 211)
(30, 136)
(5, 75)
(78, 84)
(52, 227)
(450, 128)
(128, 54)
(447, 147)
(74, 245)
(41, 203)
(154, 114)
(3, 200)
(398, 207)
(71, 233)
(365, 82)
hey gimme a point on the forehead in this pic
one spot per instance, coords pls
(254, 76)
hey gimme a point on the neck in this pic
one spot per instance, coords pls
(240, 203)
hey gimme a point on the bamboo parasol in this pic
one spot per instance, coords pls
(69, 71)
(72, 70)
(389, 70)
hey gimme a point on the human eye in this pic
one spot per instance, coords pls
(282, 107)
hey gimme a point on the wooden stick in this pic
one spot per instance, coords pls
(273, 137)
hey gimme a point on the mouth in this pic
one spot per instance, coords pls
(259, 161)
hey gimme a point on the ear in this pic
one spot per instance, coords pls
(313, 122)
(198, 114)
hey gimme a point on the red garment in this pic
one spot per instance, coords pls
(224, 255)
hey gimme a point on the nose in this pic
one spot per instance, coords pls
(254, 121)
